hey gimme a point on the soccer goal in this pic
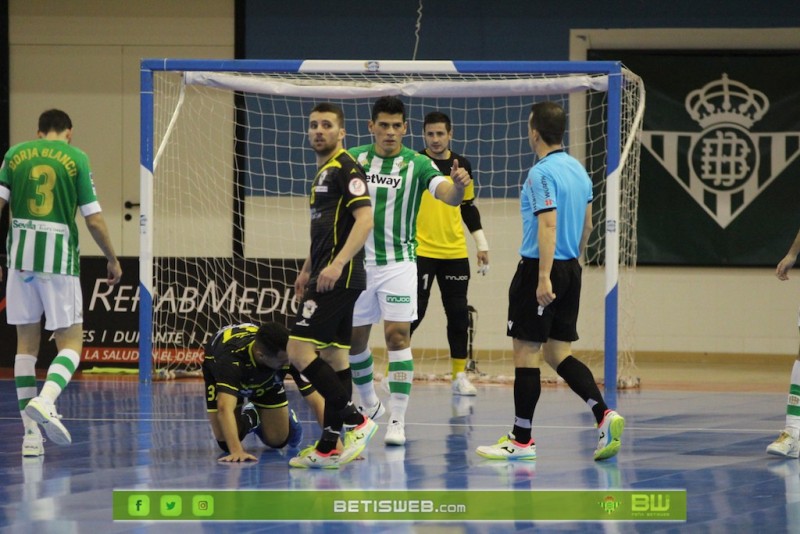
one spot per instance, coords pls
(225, 169)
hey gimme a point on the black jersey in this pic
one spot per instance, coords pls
(229, 362)
(339, 188)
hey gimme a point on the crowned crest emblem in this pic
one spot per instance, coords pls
(727, 166)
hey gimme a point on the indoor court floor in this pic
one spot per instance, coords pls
(709, 441)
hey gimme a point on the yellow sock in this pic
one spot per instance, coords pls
(459, 365)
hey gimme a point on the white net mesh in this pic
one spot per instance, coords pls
(230, 213)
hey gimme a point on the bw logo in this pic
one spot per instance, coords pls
(726, 165)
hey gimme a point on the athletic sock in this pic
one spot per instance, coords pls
(401, 376)
(338, 406)
(459, 365)
(793, 402)
(580, 379)
(248, 421)
(527, 389)
(25, 382)
(59, 374)
(328, 440)
(324, 379)
(350, 415)
(362, 366)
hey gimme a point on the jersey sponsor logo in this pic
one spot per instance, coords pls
(357, 187)
(726, 166)
(453, 278)
(321, 189)
(384, 180)
(309, 307)
(398, 299)
(40, 226)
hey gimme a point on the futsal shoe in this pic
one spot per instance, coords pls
(311, 458)
(295, 430)
(355, 440)
(787, 444)
(395, 433)
(44, 413)
(508, 449)
(373, 412)
(610, 430)
(32, 443)
(462, 386)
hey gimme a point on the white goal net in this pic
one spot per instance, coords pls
(226, 170)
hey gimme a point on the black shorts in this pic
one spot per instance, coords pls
(559, 320)
(326, 319)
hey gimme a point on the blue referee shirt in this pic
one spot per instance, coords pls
(557, 181)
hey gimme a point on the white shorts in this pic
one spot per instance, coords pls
(391, 294)
(30, 294)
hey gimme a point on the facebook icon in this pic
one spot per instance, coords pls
(139, 505)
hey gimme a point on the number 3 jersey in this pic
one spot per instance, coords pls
(44, 182)
(229, 362)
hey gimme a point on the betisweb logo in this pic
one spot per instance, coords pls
(727, 165)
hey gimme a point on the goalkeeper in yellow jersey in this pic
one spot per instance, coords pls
(442, 249)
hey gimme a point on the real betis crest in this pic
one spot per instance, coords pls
(725, 166)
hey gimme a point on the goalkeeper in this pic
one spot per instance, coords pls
(442, 249)
(245, 361)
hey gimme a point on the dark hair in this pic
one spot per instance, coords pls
(388, 104)
(435, 117)
(328, 107)
(274, 336)
(550, 121)
(54, 120)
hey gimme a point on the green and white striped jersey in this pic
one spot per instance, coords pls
(44, 182)
(395, 185)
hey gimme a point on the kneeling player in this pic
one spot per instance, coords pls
(249, 362)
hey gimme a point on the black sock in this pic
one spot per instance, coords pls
(527, 389)
(580, 379)
(248, 420)
(328, 440)
(350, 415)
(325, 380)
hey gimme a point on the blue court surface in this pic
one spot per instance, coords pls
(128, 436)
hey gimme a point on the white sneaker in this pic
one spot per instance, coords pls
(787, 444)
(356, 440)
(373, 412)
(462, 386)
(32, 443)
(508, 449)
(311, 458)
(395, 433)
(44, 413)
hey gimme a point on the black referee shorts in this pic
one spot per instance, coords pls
(559, 320)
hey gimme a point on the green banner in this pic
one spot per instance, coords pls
(720, 155)
(400, 505)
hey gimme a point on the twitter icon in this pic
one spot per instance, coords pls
(171, 505)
